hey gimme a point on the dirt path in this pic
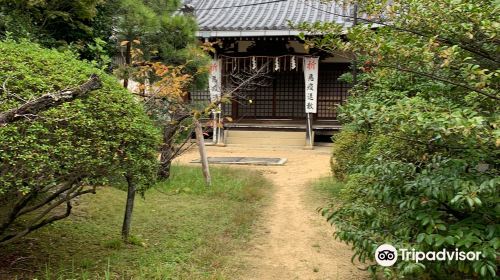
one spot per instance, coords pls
(293, 241)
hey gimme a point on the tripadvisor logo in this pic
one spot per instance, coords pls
(387, 255)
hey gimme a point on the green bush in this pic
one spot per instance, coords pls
(348, 147)
(82, 143)
(425, 175)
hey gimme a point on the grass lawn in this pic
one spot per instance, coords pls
(328, 188)
(182, 230)
(327, 193)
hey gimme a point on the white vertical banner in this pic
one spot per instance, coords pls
(215, 80)
(311, 65)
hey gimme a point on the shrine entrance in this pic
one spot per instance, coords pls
(297, 95)
(282, 98)
(281, 95)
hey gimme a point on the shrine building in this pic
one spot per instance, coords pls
(282, 93)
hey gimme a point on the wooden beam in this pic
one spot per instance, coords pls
(203, 154)
(309, 133)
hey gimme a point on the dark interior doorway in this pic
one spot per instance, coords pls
(284, 96)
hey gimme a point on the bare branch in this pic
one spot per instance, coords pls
(36, 223)
(49, 100)
(13, 237)
(64, 187)
(248, 80)
(14, 213)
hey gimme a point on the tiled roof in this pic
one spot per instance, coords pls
(263, 17)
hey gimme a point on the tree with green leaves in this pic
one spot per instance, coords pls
(156, 31)
(54, 23)
(94, 28)
(419, 152)
(152, 32)
(63, 136)
(161, 32)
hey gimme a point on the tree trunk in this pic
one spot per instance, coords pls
(129, 208)
(167, 150)
(203, 154)
(128, 61)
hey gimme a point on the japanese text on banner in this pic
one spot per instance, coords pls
(214, 82)
(311, 65)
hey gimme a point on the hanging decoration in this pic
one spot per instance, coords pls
(269, 63)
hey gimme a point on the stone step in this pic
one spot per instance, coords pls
(264, 138)
(266, 134)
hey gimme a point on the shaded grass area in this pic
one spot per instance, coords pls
(329, 188)
(328, 193)
(182, 230)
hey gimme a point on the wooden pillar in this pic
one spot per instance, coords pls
(220, 128)
(203, 154)
(309, 132)
(215, 127)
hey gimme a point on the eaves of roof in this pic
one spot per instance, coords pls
(245, 18)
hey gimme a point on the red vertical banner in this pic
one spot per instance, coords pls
(311, 66)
